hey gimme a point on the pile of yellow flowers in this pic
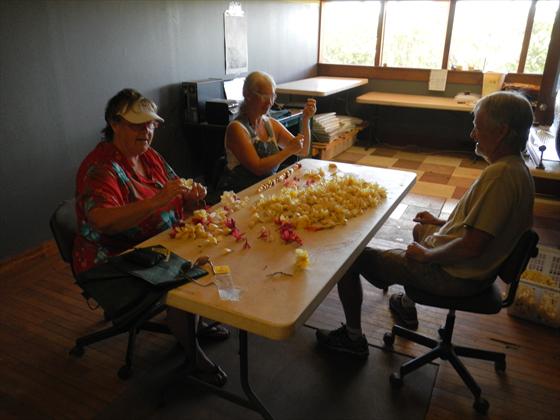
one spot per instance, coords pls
(312, 202)
(320, 204)
(538, 277)
(536, 302)
(543, 306)
(212, 226)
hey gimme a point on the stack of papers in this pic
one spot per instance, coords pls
(327, 127)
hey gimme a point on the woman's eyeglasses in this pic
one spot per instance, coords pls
(150, 125)
(266, 97)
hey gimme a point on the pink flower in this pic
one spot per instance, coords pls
(237, 234)
(288, 234)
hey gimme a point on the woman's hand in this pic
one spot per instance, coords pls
(171, 190)
(188, 191)
(295, 145)
(113, 220)
(196, 193)
(309, 109)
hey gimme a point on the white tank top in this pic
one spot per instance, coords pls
(232, 160)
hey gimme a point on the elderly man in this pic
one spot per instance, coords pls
(460, 256)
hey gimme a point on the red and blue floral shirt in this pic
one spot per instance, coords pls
(106, 179)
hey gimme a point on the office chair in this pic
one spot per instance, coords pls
(218, 168)
(488, 302)
(64, 227)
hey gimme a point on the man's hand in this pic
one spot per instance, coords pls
(427, 218)
(418, 252)
(471, 245)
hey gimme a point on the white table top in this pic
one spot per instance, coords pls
(319, 86)
(413, 101)
(274, 306)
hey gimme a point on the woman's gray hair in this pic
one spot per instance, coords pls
(254, 79)
(512, 109)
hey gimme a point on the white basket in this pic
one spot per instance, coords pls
(536, 300)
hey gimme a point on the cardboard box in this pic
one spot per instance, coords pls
(327, 151)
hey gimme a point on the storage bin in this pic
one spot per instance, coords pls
(538, 295)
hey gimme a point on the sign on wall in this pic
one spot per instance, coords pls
(235, 32)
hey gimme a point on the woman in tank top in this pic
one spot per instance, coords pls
(257, 144)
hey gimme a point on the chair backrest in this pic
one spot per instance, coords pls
(64, 227)
(217, 171)
(512, 268)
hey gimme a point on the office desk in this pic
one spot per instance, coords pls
(413, 101)
(273, 306)
(319, 86)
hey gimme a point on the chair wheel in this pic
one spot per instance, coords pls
(481, 405)
(77, 351)
(388, 339)
(395, 380)
(125, 372)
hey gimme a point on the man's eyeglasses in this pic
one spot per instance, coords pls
(150, 125)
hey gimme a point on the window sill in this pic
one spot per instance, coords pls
(420, 75)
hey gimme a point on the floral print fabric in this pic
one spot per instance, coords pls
(106, 179)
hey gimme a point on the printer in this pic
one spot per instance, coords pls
(221, 111)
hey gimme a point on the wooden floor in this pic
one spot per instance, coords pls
(42, 312)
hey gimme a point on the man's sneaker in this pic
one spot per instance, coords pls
(404, 309)
(339, 341)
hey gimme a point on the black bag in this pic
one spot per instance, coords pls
(126, 283)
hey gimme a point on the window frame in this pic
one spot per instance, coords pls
(547, 80)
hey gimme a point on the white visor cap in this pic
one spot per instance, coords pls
(141, 111)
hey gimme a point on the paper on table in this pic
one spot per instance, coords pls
(438, 79)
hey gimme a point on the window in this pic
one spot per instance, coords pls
(540, 36)
(349, 32)
(488, 35)
(414, 33)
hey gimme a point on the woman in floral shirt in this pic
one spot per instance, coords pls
(127, 193)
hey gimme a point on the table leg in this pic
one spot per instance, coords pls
(252, 402)
(193, 345)
(244, 370)
(372, 129)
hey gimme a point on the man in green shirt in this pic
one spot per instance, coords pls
(460, 256)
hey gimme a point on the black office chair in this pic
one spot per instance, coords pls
(488, 302)
(63, 225)
(214, 192)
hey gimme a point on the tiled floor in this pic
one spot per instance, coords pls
(442, 178)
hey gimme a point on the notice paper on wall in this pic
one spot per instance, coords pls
(438, 79)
